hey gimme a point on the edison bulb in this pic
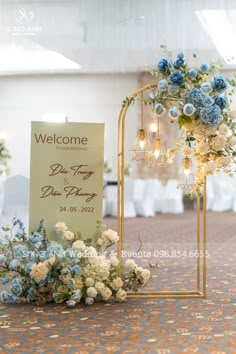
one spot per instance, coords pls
(186, 172)
(157, 153)
(142, 143)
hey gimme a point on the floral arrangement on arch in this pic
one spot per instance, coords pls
(4, 156)
(38, 270)
(197, 99)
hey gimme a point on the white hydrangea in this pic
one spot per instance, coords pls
(99, 286)
(60, 227)
(98, 268)
(202, 148)
(68, 235)
(114, 261)
(89, 282)
(121, 295)
(117, 283)
(130, 263)
(232, 141)
(79, 246)
(143, 274)
(218, 143)
(90, 252)
(89, 300)
(223, 129)
(110, 236)
(106, 293)
(91, 292)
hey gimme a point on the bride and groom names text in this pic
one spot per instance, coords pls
(69, 190)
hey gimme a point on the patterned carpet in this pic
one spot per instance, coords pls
(163, 326)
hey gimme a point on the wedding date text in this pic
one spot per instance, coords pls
(72, 209)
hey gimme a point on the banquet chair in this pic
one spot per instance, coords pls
(16, 199)
(223, 200)
(210, 192)
(129, 208)
(159, 195)
(173, 202)
(144, 197)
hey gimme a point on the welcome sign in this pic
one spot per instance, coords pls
(66, 176)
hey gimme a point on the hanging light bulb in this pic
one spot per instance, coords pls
(141, 148)
(186, 177)
(157, 148)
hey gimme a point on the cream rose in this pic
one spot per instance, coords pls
(121, 295)
(202, 148)
(111, 236)
(106, 293)
(222, 161)
(79, 245)
(60, 227)
(130, 263)
(114, 261)
(68, 235)
(91, 292)
(100, 241)
(218, 143)
(117, 283)
(89, 282)
(145, 275)
(39, 271)
(99, 286)
(232, 141)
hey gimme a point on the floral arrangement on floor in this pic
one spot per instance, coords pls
(40, 271)
(197, 99)
(4, 156)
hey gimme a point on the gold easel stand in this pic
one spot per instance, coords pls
(200, 292)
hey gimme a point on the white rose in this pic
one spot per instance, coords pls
(79, 245)
(89, 300)
(39, 271)
(114, 261)
(60, 227)
(232, 141)
(198, 137)
(222, 161)
(202, 148)
(89, 282)
(99, 286)
(68, 235)
(130, 263)
(187, 150)
(223, 129)
(209, 168)
(90, 252)
(50, 262)
(106, 293)
(170, 154)
(117, 283)
(99, 241)
(145, 275)
(218, 143)
(111, 236)
(91, 292)
(121, 295)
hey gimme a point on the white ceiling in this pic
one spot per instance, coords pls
(107, 35)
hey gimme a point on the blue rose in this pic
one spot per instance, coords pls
(17, 280)
(28, 267)
(31, 256)
(163, 85)
(56, 249)
(208, 101)
(189, 109)
(179, 61)
(204, 68)
(76, 270)
(3, 258)
(46, 280)
(173, 112)
(210, 115)
(221, 101)
(4, 296)
(192, 73)
(196, 97)
(35, 238)
(206, 88)
(43, 256)
(70, 254)
(20, 251)
(219, 83)
(13, 299)
(163, 65)
(176, 77)
(5, 279)
(19, 234)
(14, 264)
(16, 289)
(173, 89)
(76, 296)
(159, 109)
(31, 294)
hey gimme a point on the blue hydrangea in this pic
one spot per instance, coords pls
(35, 238)
(208, 101)
(204, 68)
(76, 270)
(16, 289)
(31, 294)
(3, 258)
(176, 77)
(56, 249)
(14, 264)
(179, 61)
(221, 101)
(163, 85)
(17, 280)
(163, 65)
(219, 83)
(19, 234)
(189, 109)
(20, 251)
(4, 296)
(196, 97)
(159, 109)
(173, 112)
(210, 115)
(192, 73)
(5, 279)
(173, 89)
(13, 299)
(43, 256)
(206, 88)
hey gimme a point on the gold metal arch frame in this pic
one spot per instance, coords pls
(201, 237)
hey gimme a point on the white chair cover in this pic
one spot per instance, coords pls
(173, 202)
(159, 195)
(144, 197)
(223, 200)
(129, 207)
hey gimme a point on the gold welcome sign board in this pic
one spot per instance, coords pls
(66, 176)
